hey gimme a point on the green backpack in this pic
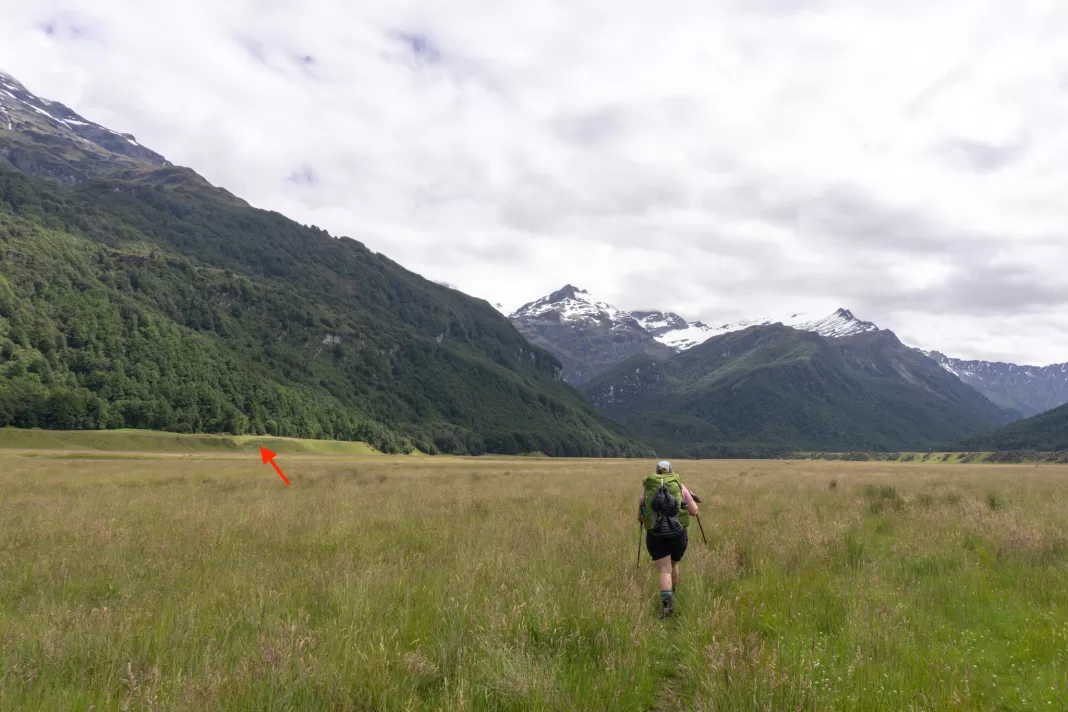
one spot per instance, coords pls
(671, 482)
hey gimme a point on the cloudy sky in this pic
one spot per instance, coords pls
(721, 158)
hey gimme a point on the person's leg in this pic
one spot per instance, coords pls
(667, 596)
(661, 552)
(663, 568)
(678, 550)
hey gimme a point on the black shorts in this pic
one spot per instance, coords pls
(659, 547)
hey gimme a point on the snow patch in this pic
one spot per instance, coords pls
(687, 338)
(42, 111)
(838, 325)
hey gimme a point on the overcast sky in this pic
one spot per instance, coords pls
(722, 159)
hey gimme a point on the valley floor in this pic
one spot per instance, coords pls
(153, 441)
(392, 583)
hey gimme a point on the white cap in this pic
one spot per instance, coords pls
(663, 465)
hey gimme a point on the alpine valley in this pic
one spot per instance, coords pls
(135, 294)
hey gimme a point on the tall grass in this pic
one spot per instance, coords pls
(455, 584)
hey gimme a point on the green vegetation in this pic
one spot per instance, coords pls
(771, 390)
(161, 303)
(127, 440)
(948, 458)
(1046, 432)
(204, 583)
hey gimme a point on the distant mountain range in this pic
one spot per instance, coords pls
(590, 336)
(774, 388)
(1028, 389)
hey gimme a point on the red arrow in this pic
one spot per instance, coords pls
(269, 456)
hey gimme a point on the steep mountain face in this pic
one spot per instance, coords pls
(1046, 432)
(587, 335)
(1027, 389)
(135, 294)
(775, 388)
(590, 336)
(46, 138)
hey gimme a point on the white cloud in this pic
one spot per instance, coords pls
(721, 159)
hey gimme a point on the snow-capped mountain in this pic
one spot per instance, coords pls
(46, 138)
(586, 334)
(1027, 389)
(573, 305)
(576, 327)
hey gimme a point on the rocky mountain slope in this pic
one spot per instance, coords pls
(46, 138)
(587, 335)
(774, 388)
(1027, 389)
(135, 294)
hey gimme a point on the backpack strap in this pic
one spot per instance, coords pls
(656, 514)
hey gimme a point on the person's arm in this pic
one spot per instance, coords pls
(641, 507)
(687, 499)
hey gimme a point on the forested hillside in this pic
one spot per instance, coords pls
(1045, 432)
(158, 301)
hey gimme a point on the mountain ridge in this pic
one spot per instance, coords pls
(1028, 389)
(52, 126)
(774, 388)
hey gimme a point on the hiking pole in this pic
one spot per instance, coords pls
(698, 516)
(637, 563)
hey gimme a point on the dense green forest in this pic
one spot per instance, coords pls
(770, 390)
(1045, 432)
(158, 301)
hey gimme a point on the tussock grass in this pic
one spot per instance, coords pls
(460, 584)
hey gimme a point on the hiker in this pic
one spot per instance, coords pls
(665, 508)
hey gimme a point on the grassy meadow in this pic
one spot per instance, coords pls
(150, 441)
(137, 582)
